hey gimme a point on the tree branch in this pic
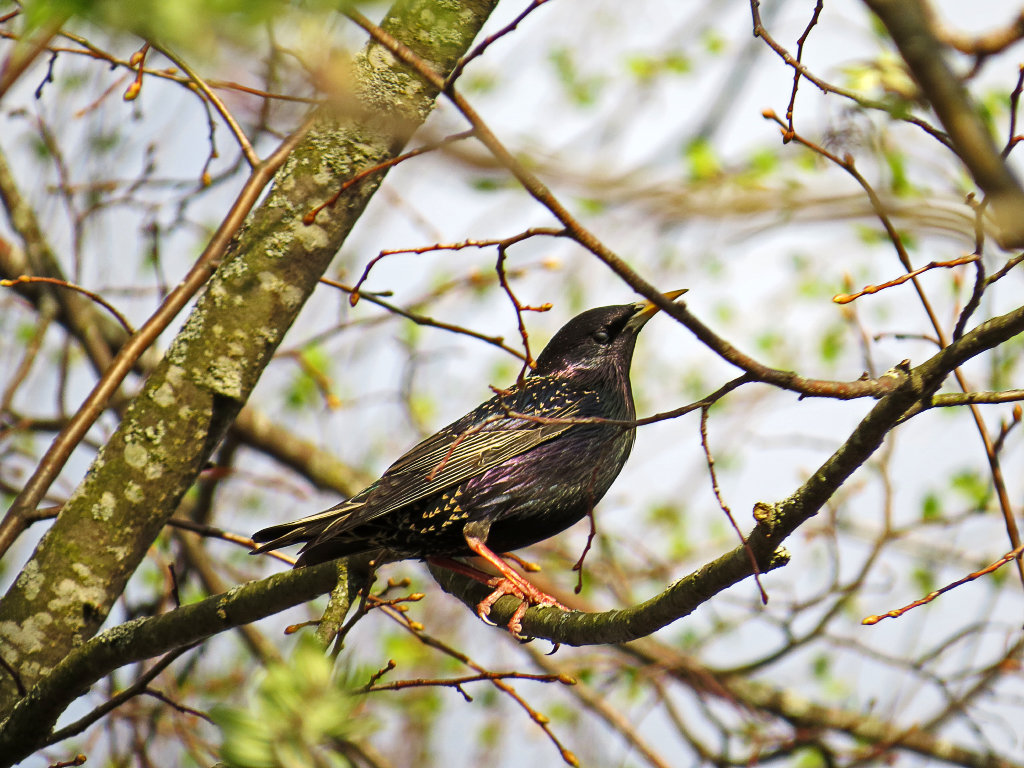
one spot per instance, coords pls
(910, 26)
(32, 717)
(775, 522)
(188, 402)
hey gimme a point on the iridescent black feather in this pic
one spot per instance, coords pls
(516, 470)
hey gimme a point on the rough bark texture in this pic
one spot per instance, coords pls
(64, 593)
(145, 638)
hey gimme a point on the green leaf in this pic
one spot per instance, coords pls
(582, 90)
(898, 183)
(702, 161)
(924, 580)
(833, 343)
(298, 707)
(821, 666)
(713, 42)
(972, 486)
(647, 68)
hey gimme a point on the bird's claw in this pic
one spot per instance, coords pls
(526, 593)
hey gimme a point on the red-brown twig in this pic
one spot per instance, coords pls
(78, 759)
(846, 298)
(827, 87)
(528, 361)
(22, 55)
(458, 682)
(798, 70)
(1006, 427)
(504, 242)
(65, 284)
(459, 439)
(137, 688)
(489, 40)
(527, 565)
(721, 502)
(897, 612)
(591, 535)
(1012, 137)
(416, 629)
(90, 50)
(498, 341)
(28, 359)
(185, 710)
(1005, 269)
(376, 676)
(213, 532)
(15, 676)
(201, 87)
(311, 215)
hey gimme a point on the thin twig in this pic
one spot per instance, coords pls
(827, 87)
(416, 629)
(60, 449)
(497, 341)
(212, 532)
(723, 506)
(458, 682)
(897, 612)
(311, 215)
(846, 298)
(201, 86)
(797, 71)
(489, 40)
(71, 286)
(135, 689)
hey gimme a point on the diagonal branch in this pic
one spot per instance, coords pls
(33, 716)
(149, 637)
(272, 266)
(909, 24)
(775, 521)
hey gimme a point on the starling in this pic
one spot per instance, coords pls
(521, 467)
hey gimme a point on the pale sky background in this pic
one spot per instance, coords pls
(624, 150)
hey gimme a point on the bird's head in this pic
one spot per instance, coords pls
(597, 340)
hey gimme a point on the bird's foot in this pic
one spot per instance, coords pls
(508, 583)
(528, 595)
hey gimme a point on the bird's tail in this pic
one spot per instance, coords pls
(305, 530)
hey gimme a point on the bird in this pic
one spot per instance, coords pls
(520, 468)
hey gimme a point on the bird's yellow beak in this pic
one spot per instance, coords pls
(645, 310)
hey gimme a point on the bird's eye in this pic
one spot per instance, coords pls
(601, 337)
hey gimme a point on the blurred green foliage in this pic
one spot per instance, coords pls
(200, 27)
(297, 708)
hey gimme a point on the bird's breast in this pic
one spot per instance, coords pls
(544, 491)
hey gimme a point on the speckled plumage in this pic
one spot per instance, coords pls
(494, 476)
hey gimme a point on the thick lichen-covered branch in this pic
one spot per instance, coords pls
(150, 637)
(33, 716)
(83, 562)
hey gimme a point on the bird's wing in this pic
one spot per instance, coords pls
(482, 439)
(299, 530)
(448, 458)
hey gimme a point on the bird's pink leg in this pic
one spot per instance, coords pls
(509, 583)
(457, 566)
